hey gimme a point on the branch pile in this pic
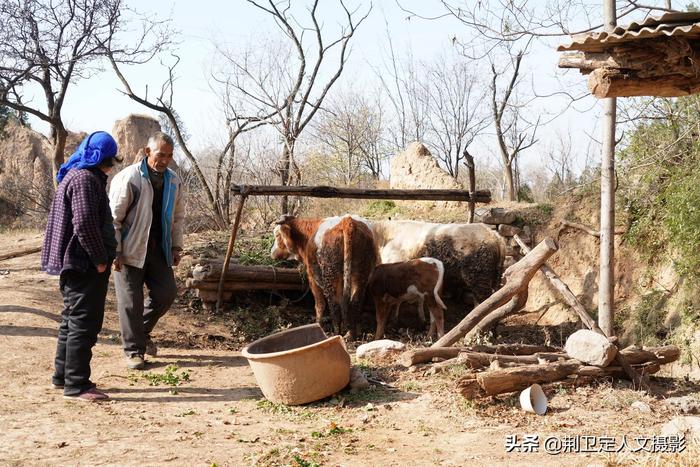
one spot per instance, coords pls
(507, 368)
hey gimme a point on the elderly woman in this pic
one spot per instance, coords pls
(79, 246)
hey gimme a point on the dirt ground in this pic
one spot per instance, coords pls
(206, 409)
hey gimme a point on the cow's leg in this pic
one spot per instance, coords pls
(330, 267)
(319, 298)
(437, 319)
(421, 309)
(381, 310)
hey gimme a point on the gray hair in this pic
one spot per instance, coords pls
(160, 137)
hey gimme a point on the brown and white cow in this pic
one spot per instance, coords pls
(339, 254)
(419, 280)
(472, 254)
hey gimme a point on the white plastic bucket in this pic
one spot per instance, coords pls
(533, 400)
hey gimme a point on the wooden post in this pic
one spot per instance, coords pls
(229, 250)
(517, 279)
(471, 169)
(606, 287)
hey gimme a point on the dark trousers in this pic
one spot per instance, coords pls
(138, 317)
(81, 321)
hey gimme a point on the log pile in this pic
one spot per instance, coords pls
(502, 369)
(205, 279)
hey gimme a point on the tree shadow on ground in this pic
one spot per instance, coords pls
(195, 360)
(12, 330)
(665, 387)
(182, 394)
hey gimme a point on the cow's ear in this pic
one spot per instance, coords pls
(283, 218)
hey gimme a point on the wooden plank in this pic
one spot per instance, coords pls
(481, 196)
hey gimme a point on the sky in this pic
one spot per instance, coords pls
(96, 103)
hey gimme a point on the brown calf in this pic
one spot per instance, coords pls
(415, 280)
(339, 255)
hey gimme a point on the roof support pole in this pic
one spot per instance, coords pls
(606, 288)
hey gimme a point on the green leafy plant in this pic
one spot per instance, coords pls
(169, 378)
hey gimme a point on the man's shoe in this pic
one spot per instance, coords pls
(135, 362)
(56, 386)
(151, 348)
(91, 395)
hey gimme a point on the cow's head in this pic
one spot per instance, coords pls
(284, 247)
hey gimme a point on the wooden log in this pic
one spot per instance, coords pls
(490, 383)
(236, 272)
(415, 356)
(648, 368)
(511, 349)
(517, 277)
(666, 354)
(245, 285)
(480, 196)
(513, 306)
(17, 253)
(609, 82)
(573, 302)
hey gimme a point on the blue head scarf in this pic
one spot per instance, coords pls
(94, 149)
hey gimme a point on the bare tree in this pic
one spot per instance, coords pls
(350, 132)
(513, 133)
(293, 87)
(455, 116)
(53, 44)
(407, 94)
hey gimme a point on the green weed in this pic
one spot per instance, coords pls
(169, 378)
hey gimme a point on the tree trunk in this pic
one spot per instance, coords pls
(509, 182)
(285, 167)
(59, 147)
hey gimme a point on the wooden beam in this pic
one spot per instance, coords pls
(481, 196)
(607, 82)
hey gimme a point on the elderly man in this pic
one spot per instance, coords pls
(148, 210)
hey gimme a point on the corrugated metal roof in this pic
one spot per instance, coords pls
(669, 25)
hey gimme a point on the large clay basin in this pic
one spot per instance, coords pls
(299, 365)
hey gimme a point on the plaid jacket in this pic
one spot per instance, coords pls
(80, 224)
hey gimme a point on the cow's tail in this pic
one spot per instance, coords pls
(348, 231)
(438, 284)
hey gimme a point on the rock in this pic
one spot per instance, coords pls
(508, 230)
(494, 216)
(416, 168)
(641, 406)
(358, 381)
(687, 426)
(26, 175)
(131, 134)
(380, 347)
(590, 347)
(686, 404)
